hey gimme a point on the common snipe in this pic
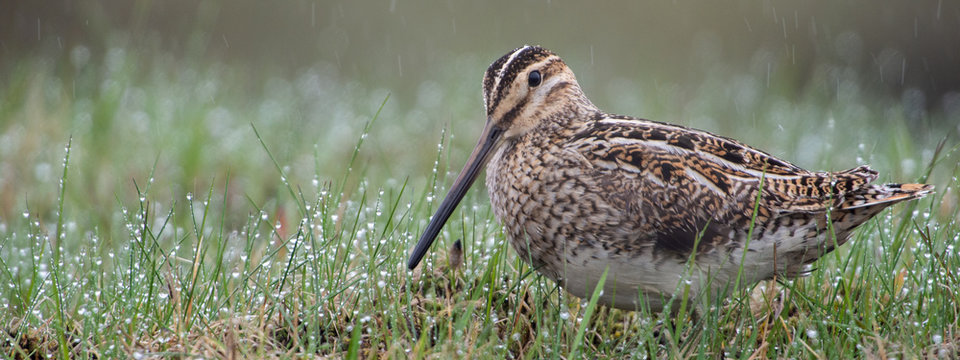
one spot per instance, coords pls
(579, 190)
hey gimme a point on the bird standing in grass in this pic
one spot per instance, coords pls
(580, 191)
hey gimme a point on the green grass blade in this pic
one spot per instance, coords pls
(56, 262)
(588, 313)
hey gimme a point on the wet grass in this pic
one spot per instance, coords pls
(187, 210)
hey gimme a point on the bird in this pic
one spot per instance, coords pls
(667, 210)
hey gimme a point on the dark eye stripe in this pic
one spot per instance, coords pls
(511, 70)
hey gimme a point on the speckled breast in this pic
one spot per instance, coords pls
(548, 204)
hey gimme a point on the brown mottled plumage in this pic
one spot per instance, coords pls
(579, 190)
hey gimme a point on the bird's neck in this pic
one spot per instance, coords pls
(571, 113)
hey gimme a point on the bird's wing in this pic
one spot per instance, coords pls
(689, 186)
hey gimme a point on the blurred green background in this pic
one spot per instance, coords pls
(171, 87)
(893, 45)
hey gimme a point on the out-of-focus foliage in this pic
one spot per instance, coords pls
(894, 47)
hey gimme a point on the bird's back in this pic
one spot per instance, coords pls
(644, 196)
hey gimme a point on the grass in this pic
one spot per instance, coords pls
(161, 212)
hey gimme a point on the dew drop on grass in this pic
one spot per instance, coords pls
(943, 353)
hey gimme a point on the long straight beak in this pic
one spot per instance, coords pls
(489, 140)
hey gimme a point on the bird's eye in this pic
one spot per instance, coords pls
(534, 79)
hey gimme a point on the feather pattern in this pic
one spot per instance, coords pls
(579, 190)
